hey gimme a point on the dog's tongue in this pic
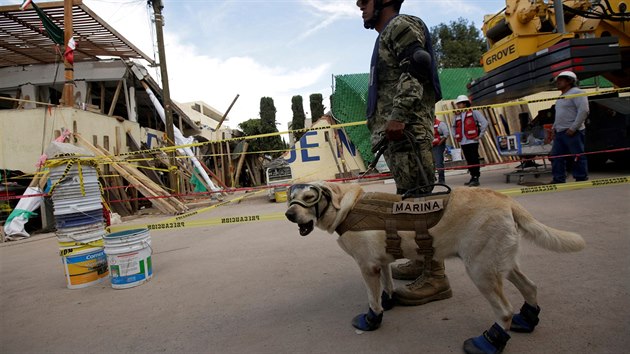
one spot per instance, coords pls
(306, 229)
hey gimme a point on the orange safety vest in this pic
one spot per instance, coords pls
(470, 128)
(436, 132)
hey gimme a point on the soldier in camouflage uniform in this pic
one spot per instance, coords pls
(404, 88)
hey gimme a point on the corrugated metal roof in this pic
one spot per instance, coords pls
(23, 40)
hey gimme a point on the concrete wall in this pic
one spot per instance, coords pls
(24, 134)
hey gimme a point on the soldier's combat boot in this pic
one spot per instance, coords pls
(409, 270)
(431, 286)
(474, 182)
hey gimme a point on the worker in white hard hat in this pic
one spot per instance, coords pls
(569, 129)
(468, 127)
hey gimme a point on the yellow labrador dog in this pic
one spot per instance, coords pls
(480, 226)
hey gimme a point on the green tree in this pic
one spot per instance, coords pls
(266, 124)
(253, 127)
(458, 44)
(299, 117)
(268, 115)
(317, 106)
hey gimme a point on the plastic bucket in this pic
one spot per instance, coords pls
(83, 266)
(456, 154)
(129, 257)
(281, 196)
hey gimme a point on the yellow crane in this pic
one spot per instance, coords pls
(531, 41)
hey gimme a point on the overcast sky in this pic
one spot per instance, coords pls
(279, 48)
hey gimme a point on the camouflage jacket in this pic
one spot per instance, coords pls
(401, 97)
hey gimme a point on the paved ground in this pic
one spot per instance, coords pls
(261, 288)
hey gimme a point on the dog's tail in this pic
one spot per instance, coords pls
(545, 236)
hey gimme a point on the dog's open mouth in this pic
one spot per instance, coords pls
(306, 229)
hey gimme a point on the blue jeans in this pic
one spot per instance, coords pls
(568, 145)
(438, 158)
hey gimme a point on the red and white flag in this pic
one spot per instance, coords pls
(69, 52)
(25, 4)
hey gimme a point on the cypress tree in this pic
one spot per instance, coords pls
(317, 106)
(299, 117)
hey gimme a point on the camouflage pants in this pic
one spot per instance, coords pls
(403, 164)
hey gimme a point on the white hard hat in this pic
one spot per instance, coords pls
(569, 74)
(462, 98)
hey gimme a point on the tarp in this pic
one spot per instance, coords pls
(25, 209)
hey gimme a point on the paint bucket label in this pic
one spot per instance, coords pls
(86, 267)
(130, 271)
(129, 257)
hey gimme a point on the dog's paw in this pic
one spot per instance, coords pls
(387, 301)
(491, 341)
(526, 320)
(367, 321)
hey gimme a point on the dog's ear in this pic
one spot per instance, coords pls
(335, 194)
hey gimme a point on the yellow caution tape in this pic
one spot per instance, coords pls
(521, 102)
(203, 210)
(241, 219)
(565, 186)
(176, 223)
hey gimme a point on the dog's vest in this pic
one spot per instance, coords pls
(389, 212)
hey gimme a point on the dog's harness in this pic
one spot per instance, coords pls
(392, 213)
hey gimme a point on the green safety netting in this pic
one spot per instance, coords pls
(348, 103)
(349, 99)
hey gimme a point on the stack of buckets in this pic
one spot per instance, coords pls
(80, 226)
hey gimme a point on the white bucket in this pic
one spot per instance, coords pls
(83, 265)
(129, 257)
(456, 154)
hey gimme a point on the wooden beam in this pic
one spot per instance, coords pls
(239, 165)
(118, 143)
(226, 113)
(102, 98)
(133, 146)
(68, 86)
(230, 166)
(144, 184)
(115, 99)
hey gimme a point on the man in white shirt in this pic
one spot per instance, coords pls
(568, 129)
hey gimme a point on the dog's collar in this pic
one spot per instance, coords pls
(315, 203)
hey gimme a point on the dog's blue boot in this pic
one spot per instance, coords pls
(387, 301)
(526, 320)
(367, 321)
(491, 341)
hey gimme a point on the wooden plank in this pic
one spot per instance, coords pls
(118, 143)
(122, 193)
(161, 204)
(134, 146)
(239, 165)
(153, 187)
(253, 176)
(230, 168)
(115, 99)
(102, 98)
(114, 193)
(88, 95)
